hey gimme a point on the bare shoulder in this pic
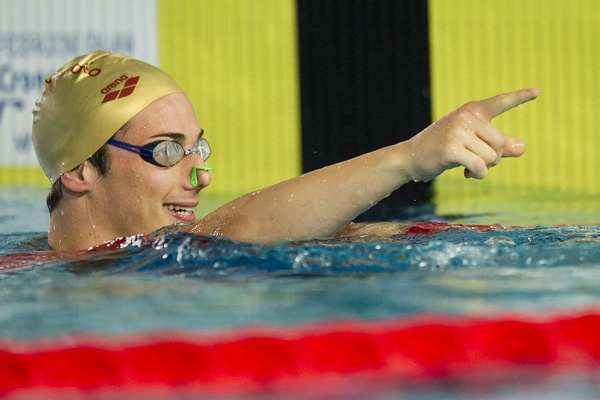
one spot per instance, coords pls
(373, 230)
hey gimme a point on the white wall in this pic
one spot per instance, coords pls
(39, 36)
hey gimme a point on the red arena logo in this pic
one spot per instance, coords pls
(128, 88)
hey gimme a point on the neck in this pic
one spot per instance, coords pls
(72, 228)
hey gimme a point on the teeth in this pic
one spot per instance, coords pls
(180, 210)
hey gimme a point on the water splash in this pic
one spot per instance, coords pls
(211, 257)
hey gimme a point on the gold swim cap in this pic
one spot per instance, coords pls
(86, 102)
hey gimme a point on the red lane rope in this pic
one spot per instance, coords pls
(431, 228)
(418, 349)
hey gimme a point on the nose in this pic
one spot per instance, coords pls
(200, 176)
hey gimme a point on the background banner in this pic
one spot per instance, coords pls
(37, 37)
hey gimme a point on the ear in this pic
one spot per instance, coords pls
(81, 178)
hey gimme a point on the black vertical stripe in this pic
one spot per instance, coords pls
(364, 73)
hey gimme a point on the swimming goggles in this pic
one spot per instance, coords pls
(164, 153)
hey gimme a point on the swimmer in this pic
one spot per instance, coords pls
(123, 149)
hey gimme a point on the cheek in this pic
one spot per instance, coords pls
(134, 184)
(142, 184)
(135, 174)
(150, 185)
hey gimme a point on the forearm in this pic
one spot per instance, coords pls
(316, 204)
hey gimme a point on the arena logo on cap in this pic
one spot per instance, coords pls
(128, 88)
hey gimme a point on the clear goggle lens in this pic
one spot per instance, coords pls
(168, 153)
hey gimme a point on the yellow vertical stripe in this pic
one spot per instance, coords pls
(481, 48)
(238, 63)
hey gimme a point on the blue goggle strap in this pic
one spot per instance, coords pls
(143, 151)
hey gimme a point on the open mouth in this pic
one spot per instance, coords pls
(184, 214)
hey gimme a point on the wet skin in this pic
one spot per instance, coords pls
(135, 196)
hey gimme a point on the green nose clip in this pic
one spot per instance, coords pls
(194, 178)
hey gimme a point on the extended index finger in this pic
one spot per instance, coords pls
(494, 106)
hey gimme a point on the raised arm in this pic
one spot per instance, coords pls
(324, 201)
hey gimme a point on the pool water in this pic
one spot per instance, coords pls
(209, 285)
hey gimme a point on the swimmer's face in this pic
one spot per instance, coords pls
(138, 197)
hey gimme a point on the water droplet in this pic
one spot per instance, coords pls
(500, 240)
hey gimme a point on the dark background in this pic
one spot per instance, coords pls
(365, 84)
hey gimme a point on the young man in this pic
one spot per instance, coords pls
(121, 144)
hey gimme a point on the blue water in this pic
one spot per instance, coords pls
(207, 284)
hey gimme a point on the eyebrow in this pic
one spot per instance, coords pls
(176, 135)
